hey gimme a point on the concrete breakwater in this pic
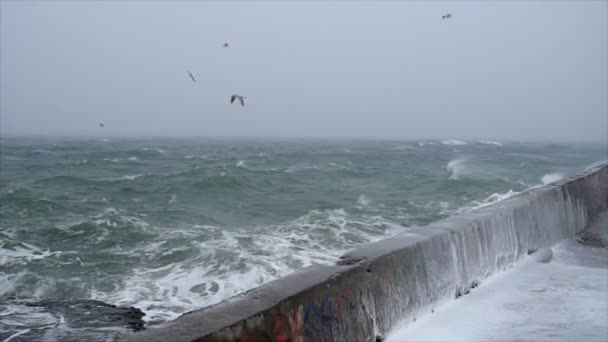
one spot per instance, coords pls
(386, 284)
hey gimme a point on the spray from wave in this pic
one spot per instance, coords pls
(457, 168)
(551, 177)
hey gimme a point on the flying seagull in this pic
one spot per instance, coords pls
(446, 16)
(191, 76)
(226, 45)
(241, 98)
(101, 124)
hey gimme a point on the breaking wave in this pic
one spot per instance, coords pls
(551, 177)
(454, 142)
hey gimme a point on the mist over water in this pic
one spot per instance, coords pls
(171, 225)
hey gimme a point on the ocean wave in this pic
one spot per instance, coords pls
(196, 157)
(155, 149)
(363, 201)
(551, 177)
(298, 168)
(489, 142)
(238, 260)
(403, 147)
(457, 168)
(121, 178)
(493, 198)
(454, 142)
(22, 253)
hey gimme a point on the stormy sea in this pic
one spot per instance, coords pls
(99, 237)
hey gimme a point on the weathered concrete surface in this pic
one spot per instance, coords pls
(557, 294)
(387, 284)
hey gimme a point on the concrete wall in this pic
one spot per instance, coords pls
(383, 285)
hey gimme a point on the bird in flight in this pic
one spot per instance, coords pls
(241, 98)
(191, 76)
(226, 44)
(446, 16)
(101, 124)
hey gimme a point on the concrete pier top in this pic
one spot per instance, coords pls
(560, 295)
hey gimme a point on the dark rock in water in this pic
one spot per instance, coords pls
(66, 320)
(81, 313)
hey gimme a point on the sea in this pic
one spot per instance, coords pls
(170, 225)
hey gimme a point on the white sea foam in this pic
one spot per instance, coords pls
(133, 158)
(23, 254)
(489, 142)
(339, 166)
(454, 142)
(402, 147)
(234, 261)
(125, 177)
(195, 157)
(551, 177)
(156, 149)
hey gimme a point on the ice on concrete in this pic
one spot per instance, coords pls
(565, 299)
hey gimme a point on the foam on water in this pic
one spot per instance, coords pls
(454, 142)
(207, 277)
(489, 142)
(155, 149)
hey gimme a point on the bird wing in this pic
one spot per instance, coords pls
(191, 76)
(232, 98)
(242, 101)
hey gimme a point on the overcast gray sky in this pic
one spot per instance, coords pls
(498, 70)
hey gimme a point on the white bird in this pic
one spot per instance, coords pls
(241, 98)
(191, 76)
(447, 16)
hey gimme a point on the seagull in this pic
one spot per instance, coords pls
(241, 98)
(191, 76)
(101, 125)
(226, 45)
(447, 16)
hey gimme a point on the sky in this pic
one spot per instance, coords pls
(512, 70)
